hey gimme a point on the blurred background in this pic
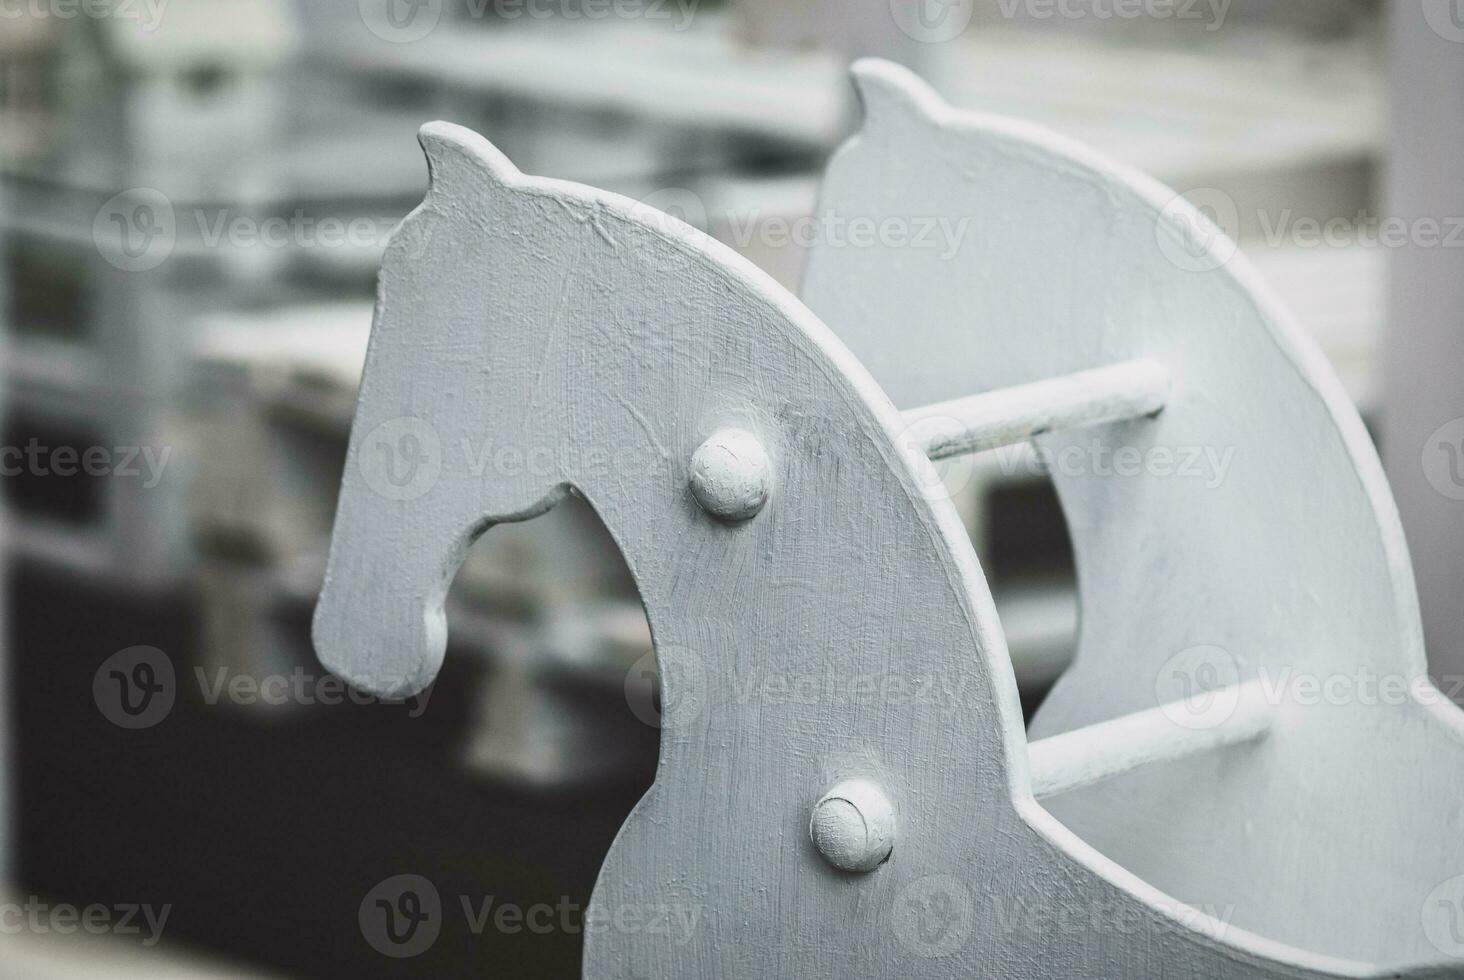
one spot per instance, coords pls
(195, 198)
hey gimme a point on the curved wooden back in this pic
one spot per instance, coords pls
(1244, 533)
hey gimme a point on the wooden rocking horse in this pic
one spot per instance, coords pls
(1181, 810)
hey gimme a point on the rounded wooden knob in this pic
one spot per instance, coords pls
(853, 826)
(731, 475)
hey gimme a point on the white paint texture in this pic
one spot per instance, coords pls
(605, 343)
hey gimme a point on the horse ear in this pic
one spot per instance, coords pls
(891, 94)
(458, 158)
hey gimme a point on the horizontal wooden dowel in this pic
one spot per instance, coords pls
(1092, 754)
(1130, 390)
